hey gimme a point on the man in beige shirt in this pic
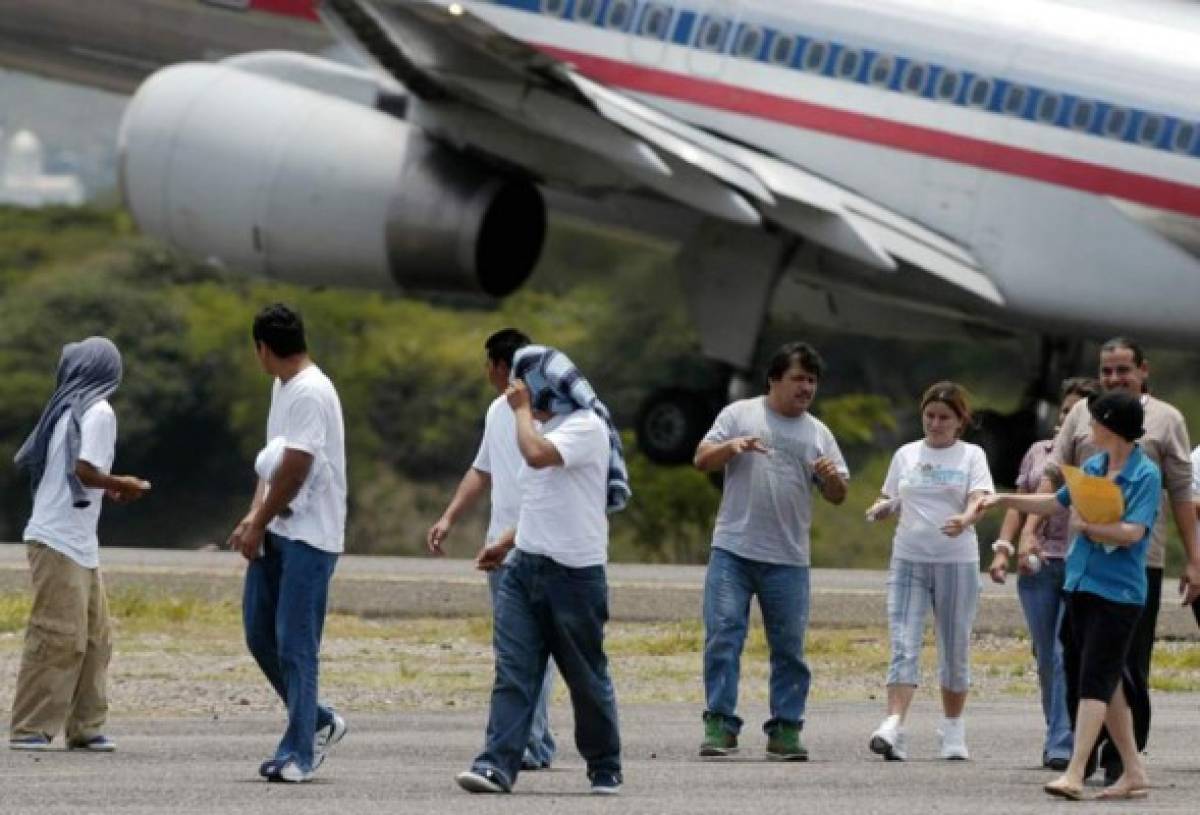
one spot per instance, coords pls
(1123, 367)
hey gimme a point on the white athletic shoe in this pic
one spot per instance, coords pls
(890, 741)
(953, 737)
(326, 738)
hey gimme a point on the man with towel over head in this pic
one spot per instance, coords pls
(553, 596)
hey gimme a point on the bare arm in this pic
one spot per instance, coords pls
(538, 451)
(830, 482)
(1034, 504)
(1120, 533)
(711, 455)
(491, 557)
(473, 484)
(289, 477)
(120, 488)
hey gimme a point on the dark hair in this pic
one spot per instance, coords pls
(1081, 386)
(953, 396)
(791, 353)
(281, 329)
(502, 345)
(1117, 343)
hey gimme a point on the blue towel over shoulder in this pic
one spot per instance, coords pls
(556, 386)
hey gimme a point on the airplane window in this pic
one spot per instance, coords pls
(881, 70)
(1048, 107)
(1152, 128)
(1081, 117)
(712, 34)
(1014, 100)
(748, 42)
(848, 63)
(914, 78)
(654, 21)
(947, 87)
(1115, 121)
(619, 12)
(814, 56)
(782, 50)
(554, 8)
(981, 92)
(1185, 137)
(587, 10)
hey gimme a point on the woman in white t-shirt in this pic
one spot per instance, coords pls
(935, 486)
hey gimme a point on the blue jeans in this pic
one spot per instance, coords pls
(541, 748)
(283, 613)
(783, 597)
(544, 609)
(1042, 601)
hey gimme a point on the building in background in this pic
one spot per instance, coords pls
(23, 180)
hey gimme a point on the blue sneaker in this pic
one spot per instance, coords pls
(32, 743)
(289, 772)
(96, 744)
(605, 783)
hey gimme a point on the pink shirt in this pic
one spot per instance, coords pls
(1052, 531)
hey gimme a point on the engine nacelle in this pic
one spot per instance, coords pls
(285, 181)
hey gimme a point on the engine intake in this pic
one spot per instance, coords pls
(285, 181)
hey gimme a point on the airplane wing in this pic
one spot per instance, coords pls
(484, 91)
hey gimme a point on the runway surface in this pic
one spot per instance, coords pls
(424, 587)
(400, 763)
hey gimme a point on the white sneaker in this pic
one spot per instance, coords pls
(292, 774)
(889, 740)
(953, 737)
(326, 738)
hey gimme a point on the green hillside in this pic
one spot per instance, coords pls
(409, 371)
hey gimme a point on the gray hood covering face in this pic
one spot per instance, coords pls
(88, 372)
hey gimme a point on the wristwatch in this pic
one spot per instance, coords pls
(1005, 546)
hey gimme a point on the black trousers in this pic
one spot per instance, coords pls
(1136, 676)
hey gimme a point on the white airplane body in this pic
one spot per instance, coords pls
(918, 168)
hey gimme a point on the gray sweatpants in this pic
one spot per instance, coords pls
(952, 590)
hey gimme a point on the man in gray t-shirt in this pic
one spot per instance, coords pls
(774, 453)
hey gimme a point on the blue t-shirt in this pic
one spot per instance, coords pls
(1117, 573)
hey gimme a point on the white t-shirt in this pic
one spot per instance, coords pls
(500, 458)
(307, 413)
(55, 520)
(1196, 473)
(563, 508)
(933, 484)
(766, 504)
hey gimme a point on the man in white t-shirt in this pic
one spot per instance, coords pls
(774, 452)
(552, 600)
(62, 683)
(497, 465)
(292, 547)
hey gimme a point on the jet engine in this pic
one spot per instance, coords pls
(285, 181)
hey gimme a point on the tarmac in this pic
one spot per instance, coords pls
(405, 762)
(400, 763)
(382, 586)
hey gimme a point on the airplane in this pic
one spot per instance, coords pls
(897, 168)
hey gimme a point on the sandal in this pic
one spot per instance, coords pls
(1063, 789)
(1123, 793)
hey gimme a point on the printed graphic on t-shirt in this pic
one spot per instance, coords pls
(931, 476)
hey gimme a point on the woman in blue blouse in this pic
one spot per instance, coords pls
(1106, 589)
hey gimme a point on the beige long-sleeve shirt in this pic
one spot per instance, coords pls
(1166, 443)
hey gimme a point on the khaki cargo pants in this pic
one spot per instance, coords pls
(62, 684)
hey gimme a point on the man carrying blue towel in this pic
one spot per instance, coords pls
(553, 595)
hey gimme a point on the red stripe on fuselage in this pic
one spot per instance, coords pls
(1064, 172)
(304, 9)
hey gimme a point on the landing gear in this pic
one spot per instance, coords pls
(1006, 436)
(672, 422)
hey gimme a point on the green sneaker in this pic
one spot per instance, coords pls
(783, 744)
(717, 740)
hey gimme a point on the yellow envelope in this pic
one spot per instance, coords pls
(1097, 499)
